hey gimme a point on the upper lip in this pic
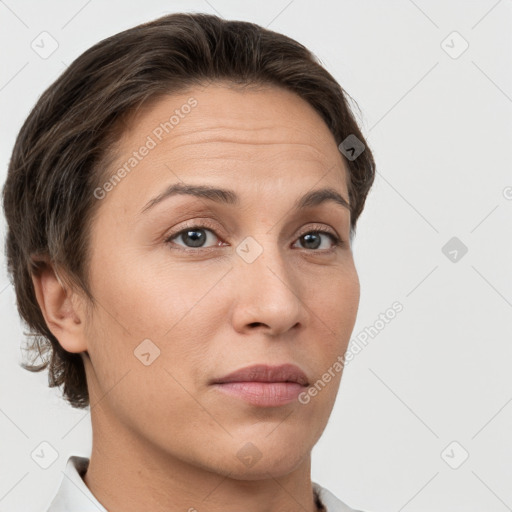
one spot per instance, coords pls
(266, 373)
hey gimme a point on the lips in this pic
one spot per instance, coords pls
(264, 373)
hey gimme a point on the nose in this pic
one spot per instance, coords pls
(268, 295)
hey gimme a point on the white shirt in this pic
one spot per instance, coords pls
(74, 496)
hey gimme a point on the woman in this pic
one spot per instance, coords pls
(181, 204)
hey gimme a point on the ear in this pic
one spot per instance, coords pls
(61, 307)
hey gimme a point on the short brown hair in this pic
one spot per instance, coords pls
(48, 196)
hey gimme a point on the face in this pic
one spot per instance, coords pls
(191, 288)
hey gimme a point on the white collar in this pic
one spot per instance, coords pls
(331, 503)
(74, 495)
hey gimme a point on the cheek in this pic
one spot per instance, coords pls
(149, 297)
(169, 313)
(176, 310)
(335, 301)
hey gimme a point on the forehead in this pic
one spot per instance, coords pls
(253, 114)
(256, 137)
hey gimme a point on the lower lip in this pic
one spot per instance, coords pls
(263, 394)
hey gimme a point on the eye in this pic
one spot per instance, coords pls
(313, 240)
(193, 237)
(202, 237)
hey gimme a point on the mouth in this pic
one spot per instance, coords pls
(263, 385)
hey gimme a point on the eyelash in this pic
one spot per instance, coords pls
(336, 241)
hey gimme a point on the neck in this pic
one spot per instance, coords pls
(128, 474)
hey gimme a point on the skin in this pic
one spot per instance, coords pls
(173, 438)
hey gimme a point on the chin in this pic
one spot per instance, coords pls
(251, 463)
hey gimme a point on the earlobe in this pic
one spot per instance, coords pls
(62, 312)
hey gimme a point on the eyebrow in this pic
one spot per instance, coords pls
(229, 197)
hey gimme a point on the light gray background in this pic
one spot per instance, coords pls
(440, 128)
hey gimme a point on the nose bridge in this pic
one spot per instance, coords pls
(268, 290)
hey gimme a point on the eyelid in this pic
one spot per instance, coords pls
(206, 224)
(337, 240)
(319, 227)
(196, 223)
